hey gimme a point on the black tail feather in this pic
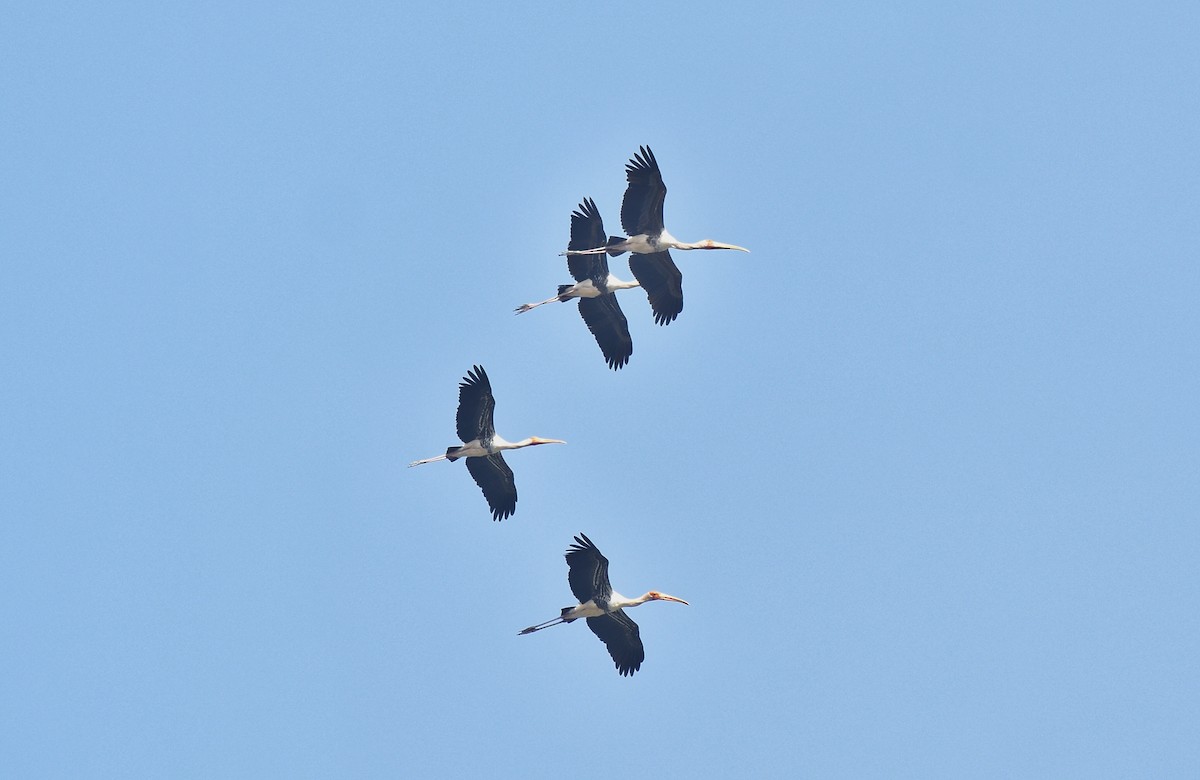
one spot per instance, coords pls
(451, 453)
(615, 240)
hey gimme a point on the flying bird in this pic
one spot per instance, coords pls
(648, 241)
(482, 447)
(603, 607)
(594, 287)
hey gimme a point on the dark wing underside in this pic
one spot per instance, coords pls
(607, 323)
(588, 574)
(587, 232)
(475, 406)
(663, 283)
(642, 208)
(495, 479)
(622, 638)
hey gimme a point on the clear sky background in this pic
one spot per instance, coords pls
(925, 462)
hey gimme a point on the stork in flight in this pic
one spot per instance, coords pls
(648, 241)
(603, 607)
(482, 447)
(594, 287)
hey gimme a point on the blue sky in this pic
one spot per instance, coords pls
(924, 462)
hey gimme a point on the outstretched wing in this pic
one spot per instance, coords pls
(663, 283)
(642, 208)
(495, 479)
(475, 406)
(607, 323)
(588, 575)
(587, 232)
(622, 638)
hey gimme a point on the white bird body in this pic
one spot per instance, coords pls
(615, 603)
(585, 289)
(646, 243)
(589, 609)
(479, 449)
(650, 244)
(476, 448)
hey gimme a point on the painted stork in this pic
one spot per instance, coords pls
(648, 241)
(603, 607)
(482, 447)
(594, 287)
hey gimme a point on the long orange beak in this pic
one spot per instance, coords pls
(537, 440)
(665, 597)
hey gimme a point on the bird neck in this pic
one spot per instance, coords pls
(708, 243)
(642, 599)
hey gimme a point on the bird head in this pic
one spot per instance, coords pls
(708, 243)
(656, 596)
(537, 440)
